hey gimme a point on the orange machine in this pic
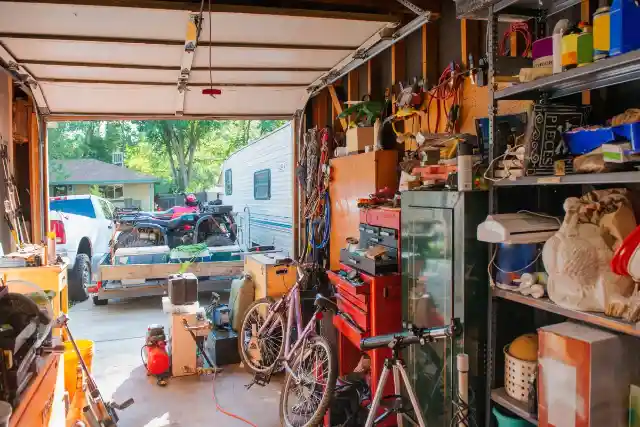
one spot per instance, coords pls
(354, 177)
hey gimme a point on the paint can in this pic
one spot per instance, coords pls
(542, 53)
(585, 45)
(601, 33)
(465, 166)
(570, 50)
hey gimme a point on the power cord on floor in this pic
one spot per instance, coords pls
(219, 408)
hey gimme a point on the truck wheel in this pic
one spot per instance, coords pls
(80, 278)
(99, 302)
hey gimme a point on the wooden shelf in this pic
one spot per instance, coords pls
(606, 72)
(546, 304)
(501, 397)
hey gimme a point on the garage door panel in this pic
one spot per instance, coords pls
(255, 57)
(110, 99)
(100, 21)
(266, 77)
(48, 71)
(93, 52)
(145, 54)
(239, 100)
(41, 71)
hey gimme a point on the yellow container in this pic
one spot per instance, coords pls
(601, 33)
(71, 363)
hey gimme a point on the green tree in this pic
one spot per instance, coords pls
(186, 155)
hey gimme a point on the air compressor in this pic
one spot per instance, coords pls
(155, 355)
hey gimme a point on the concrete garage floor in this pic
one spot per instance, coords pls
(118, 331)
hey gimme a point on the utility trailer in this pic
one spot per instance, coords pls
(140, 280)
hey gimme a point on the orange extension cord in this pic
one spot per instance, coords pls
(449, 89)
(228, 414)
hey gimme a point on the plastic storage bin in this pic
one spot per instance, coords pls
(586, 140)
(145, 255)
(629, 132)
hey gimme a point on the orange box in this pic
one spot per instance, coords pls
(584, 376)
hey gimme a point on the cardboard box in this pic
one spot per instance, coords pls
(585, 376)
(359, 138)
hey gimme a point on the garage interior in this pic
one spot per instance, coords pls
(437, 127)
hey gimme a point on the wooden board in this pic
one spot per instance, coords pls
(161, 271)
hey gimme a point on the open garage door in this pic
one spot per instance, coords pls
(94, 61)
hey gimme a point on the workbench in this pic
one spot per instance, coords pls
(49, 278)
(42, 403)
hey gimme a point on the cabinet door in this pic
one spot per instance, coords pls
(427, 266)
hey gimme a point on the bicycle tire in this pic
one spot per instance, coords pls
(318, 416)
(248, 364)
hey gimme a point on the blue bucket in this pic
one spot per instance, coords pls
(514, 260)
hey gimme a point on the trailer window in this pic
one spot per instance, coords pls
(228, 187)
(262, 185)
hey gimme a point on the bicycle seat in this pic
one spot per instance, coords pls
(285, 262)
(325, 304)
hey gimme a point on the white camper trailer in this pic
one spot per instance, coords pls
(258, 183)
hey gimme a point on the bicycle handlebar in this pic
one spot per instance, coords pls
(411, 336)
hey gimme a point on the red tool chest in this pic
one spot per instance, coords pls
(376, 307)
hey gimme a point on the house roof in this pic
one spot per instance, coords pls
(91, 171)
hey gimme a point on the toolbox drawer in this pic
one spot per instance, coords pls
(386, 237)
(349, 330)
(358, 295)
(360, 316)
(368, 265)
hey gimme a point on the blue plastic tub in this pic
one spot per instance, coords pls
(514, 260)
(584, 141)
(629, 132)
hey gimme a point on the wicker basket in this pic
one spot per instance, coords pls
(518, 374)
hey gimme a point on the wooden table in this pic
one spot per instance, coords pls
(42, 403)
(50, 277)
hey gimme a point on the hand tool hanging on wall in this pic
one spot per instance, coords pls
(12, 207)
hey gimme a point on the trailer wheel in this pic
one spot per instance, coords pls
(98, 302)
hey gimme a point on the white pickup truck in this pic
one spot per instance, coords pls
(83, 227)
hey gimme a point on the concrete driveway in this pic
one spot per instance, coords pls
(118, 331)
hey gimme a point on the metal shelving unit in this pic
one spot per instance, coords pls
(608, 72)
(575, 179)
(596, 319)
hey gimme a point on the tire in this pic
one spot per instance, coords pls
(212, 241)
(315, 344)
(99, 302)
(79, 278)
(244, 335)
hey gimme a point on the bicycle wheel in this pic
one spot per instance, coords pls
(304, 404)
(260, 354)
